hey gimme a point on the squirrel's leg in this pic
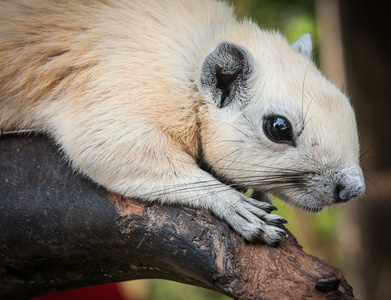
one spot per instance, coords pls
(191, 186)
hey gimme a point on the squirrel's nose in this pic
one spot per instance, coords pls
(349, 187)
(342, 194)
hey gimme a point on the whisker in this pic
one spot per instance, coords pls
(260, 166)
(308, 108)
(229, 154)
(234, 127)
(366, 176)
(225, 141)
(273, 180)
(361, 158)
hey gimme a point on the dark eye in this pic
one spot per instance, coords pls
(278, 129)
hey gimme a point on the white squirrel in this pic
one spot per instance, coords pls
(179, 102)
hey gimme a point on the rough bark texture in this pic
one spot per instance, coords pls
(60, 231)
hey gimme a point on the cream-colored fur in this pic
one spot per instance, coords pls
(125, 87)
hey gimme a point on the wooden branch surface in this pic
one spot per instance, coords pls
(60, 231)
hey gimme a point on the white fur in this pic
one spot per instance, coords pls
(117, 85)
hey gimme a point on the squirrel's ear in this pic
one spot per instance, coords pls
(303, 44)
(225, 73)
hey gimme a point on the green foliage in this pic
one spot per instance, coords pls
(315, 232)
(290, 17)
(157, 289)
(169, 290)
(274, 14)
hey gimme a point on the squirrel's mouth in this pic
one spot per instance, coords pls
(267, 197)
(308, 209)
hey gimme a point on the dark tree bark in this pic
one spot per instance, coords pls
(366, 37)
(60, 231)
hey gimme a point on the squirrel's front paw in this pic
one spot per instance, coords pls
(252, 219)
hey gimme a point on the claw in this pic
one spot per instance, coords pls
(270, 208)
(273, 235)
(274, 244)
(252, 219)
(274, 220)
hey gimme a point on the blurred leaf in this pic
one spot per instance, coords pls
(169, 290)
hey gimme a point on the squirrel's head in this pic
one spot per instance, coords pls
(272, 122)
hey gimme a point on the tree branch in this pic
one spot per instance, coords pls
(60, 231)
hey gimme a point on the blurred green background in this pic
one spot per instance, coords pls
(316, 233)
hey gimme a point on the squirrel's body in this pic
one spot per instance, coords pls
(140, 93)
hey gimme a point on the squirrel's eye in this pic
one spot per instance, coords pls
(278, 129)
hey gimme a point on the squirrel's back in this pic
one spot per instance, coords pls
(77, 54)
